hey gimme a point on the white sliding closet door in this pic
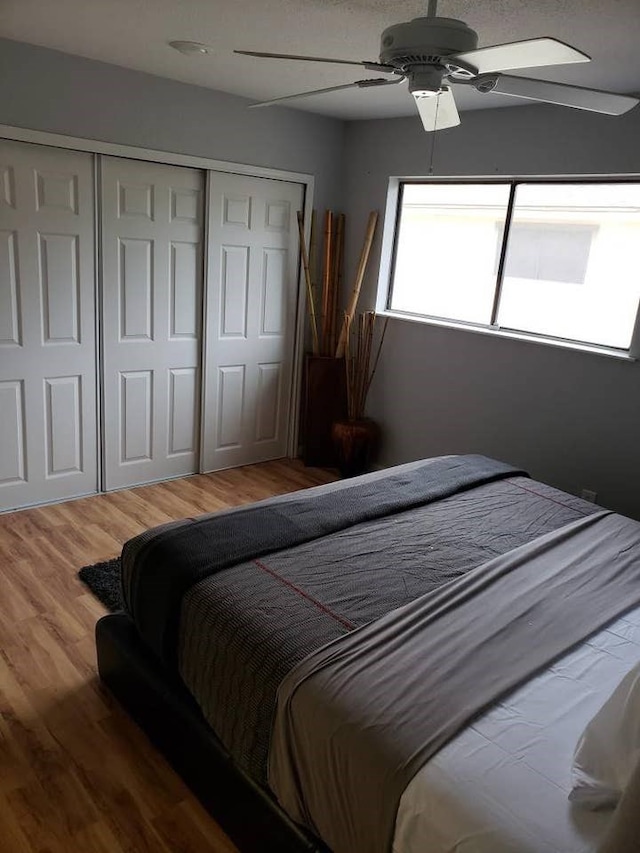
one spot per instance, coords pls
(47, 325)
(252, 296)
(152, 306)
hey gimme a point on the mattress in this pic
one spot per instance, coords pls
(501, 785)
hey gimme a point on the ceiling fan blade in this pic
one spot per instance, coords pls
(360, 84)
(530, 53)
(594, 100)
(374, 66)
(438, 111)
(302, 95)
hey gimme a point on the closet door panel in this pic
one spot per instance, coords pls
(152, 305)
(47, 325)
(252, 298)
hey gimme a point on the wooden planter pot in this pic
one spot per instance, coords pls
(325, 401)
(356, 443)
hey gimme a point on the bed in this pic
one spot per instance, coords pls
(223, 611)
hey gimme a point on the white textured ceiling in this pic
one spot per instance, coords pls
(134, 34)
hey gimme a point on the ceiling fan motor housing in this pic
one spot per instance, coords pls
(425, 41)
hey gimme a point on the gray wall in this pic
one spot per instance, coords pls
(51, 91)
(570, 418)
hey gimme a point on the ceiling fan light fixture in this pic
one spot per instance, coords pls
(190, 48)
(439, 112)
(426, 82)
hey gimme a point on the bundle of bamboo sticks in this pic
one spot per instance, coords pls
(323, 317)
(358, 348)
(326, 340)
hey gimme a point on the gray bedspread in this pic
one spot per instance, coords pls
(244, 628)
(159, 566)
(358, 718)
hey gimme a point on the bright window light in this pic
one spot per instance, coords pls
(556, 260)
(573, 262)
(445, 250)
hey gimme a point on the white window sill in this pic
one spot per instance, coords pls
(619, 355)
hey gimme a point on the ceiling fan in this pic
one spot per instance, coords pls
(432, 52)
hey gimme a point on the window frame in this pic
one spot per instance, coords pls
(389, 245)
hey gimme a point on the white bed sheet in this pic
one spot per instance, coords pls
(501, 785)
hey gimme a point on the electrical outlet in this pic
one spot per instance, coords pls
(589, 495)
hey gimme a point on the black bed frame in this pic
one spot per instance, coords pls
(166, 711)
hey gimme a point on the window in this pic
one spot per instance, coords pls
(559, 260)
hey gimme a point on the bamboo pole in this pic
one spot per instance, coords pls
(377, 358)
(313, 263)
(359, 364)
(326, 281)
(307, 277)
(362, 266)
(336, 281)
(368, 337)
(367, 334)
(348, 364)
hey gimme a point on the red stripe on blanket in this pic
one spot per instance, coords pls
(546, 497)
(350, 626)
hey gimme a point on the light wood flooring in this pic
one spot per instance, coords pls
(76, 774)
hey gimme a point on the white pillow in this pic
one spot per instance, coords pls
(609, 748)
